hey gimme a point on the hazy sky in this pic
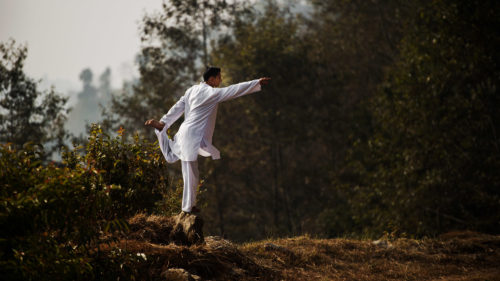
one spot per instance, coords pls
(65, 36)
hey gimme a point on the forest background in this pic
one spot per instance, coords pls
(382, 117)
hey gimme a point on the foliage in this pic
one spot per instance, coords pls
(54, 216)
(176, 44)
(90, 100)
(136, 168)
(260, 134)
(293, 137)
(26, 114)
(431, 164)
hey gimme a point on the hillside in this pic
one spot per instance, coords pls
(453, 256)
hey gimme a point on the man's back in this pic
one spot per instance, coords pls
(200, 103)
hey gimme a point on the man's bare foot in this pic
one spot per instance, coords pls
(155, 124)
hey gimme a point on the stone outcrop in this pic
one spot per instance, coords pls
(182, 229)
(188, 229)
(179, 274)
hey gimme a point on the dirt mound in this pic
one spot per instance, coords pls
(454, 256)
(175, 248)
(154, 229)
(215, 259)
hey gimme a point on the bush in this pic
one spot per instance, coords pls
(136, 170)
(53, 216)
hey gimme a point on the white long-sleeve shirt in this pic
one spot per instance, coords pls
(199, 106)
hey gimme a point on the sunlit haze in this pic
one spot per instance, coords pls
(66, 36)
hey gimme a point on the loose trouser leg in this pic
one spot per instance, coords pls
(166, 146)
(190, 176)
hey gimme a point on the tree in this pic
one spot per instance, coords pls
(431, 164)
(104, 89)
(91, 102)
(176, 43)
(26, 114)
(271, 139)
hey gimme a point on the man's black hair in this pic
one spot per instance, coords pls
(211, 71)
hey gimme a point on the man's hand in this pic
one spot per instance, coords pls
(264, 80)
(155, 124)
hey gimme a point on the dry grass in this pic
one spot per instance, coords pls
(464, 256)
(453, 256)
(216, 259)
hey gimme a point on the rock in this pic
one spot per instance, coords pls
(179, 274)
(382, 243)
(182, 229)
(219, 243)
(187, 230)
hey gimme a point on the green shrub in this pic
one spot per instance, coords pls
(53, 216)
(136, 170)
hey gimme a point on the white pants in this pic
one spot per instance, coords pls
(190, 177)
(190, 173)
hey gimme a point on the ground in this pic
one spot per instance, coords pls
(469, 257)
(453, 256)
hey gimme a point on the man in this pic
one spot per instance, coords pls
(199, 106)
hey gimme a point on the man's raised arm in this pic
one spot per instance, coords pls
(240, 89)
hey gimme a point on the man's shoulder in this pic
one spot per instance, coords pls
(202, 87)
(196, 87)
(189, 90)
(200, 94)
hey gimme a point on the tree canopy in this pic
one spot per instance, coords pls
(26, 114)
(379, 117)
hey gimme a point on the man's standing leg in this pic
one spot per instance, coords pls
(190, 176)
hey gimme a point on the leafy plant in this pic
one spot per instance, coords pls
(53, 216)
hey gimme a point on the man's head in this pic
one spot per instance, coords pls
(212, 76)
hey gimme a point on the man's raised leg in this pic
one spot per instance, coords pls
(190, 176)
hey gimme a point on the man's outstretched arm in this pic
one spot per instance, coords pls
(241, 89)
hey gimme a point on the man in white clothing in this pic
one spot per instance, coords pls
(199, 106)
